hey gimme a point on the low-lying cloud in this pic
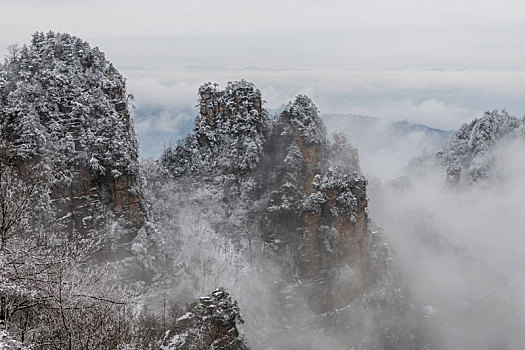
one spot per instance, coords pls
(461, 251)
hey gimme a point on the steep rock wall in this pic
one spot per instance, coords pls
(335, 248)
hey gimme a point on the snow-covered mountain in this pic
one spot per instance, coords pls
(471, 154)
(65, 109)
(247, 197)
(454, 222)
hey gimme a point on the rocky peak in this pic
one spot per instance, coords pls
(236, 99)
(469, 153)
(65, 107)
(319, 193)
(211, 323)
(228, 134)
(301, 123)
(302, 117)
(235, 111)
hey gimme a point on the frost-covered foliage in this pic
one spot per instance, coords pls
(52, 292)
(228, 135)
(49, 296)
(209, 238)
(8, 343)
(206, 234)
(302, 116)
(62, 103)
(210, 324)
(471, 147)
(64, 110)
(337, 185)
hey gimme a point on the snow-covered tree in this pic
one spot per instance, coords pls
(47, 293)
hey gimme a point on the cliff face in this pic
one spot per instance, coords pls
(90, 202)
(64, 108)
(316, 204)
(336, 240)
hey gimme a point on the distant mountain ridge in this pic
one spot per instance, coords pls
(158, 126)
(406, 126)
(359, 126)
(386, 147)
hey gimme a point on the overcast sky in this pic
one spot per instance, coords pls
(435, 62)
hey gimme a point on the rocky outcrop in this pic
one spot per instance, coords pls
(91, 201)
(239, 98)
(228, 135)
(469, 155)
(335, 248)
(64, 110)
(210, 323)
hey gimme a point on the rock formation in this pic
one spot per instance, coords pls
(330, 208)
(64, 108)
(469, 154)
(316, 207)
(211, 323)
(336, 235)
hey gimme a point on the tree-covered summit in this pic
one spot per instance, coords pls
(228, 134)
(302, 114)
(470, 150)
(65, 108)
(63, 101)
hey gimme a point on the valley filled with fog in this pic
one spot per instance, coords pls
(459, 245)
